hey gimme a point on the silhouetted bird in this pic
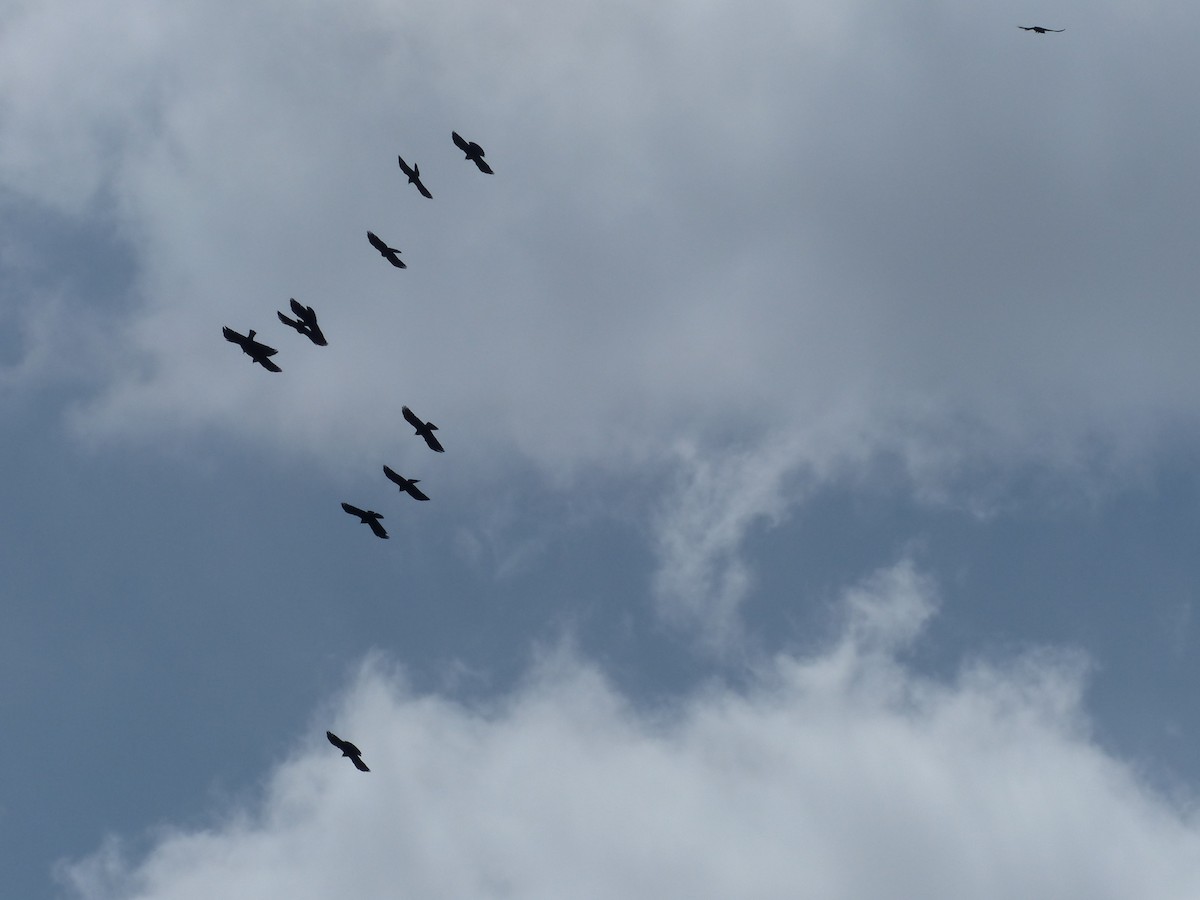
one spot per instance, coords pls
(408, 485)
(473, 150)
(1038, 29)
(414, 177)
(348, 749)
(305, 323)
(259, 353)
(391, 254)
(424, 429)
(367, 517)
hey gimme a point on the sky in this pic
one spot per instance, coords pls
(819, 507)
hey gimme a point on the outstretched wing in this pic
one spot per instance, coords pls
(359, 764)
(424, 190)
(316, 335)
(355, 511)
(411, 418)
(377, 526)
(376, 242)
(415, 492)
(433, 442)
(393, 477)
(405, 168)
(483, 166)
(233, 336)
(267, 364)
(333, 738)
(460, 143)
(286, 321)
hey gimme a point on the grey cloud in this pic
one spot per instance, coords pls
(986, 785)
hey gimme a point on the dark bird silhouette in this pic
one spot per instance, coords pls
(391, 254)
(414, 177)
(305, 323)
(408, 485)
(1038, 29)
(348, 749)
(367, 517)
(473, 150)
(259, 353)
(424, 429)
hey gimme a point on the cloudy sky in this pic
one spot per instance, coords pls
(819, 509)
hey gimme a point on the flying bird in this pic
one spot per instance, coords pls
(348, 749)
(391, 254)
(258, 353)
(305, 323)
(367, 517)
(473, 150)
(414, 177)
(424, 429)
(1038, 29)
(408, 485)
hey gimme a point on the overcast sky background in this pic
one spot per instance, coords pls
(819, 509)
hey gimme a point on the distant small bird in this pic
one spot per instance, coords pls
(408, 485)
(473, 150)
(258, 353)
(424, 429)
(305, 323)
(391, 254)
(1038, 29)
(414, 177)
(367, 517)
(348, 749)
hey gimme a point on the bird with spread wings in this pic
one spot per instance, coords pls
(368, 517)
(414, 176)
(391, 254)
(305, 322)
(424, 429)
(473, 151)
(348, 749)
(407, 485)
(1038, 29)
(258, 353)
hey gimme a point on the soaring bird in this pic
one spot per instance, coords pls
(473, 150)
(258, 353)
(424, 429)
(305, 323)
(348, 749)
(408, 485)
(414, 177)
(367, 517)
(391, 254)
(1038, 29)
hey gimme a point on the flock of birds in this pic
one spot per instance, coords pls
(305, 323)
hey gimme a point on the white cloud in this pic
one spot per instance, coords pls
(843, 775)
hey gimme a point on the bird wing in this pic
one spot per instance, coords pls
(415, 492)
(411, 418)
(433, 442)
(483, 167)
(316, 335)
(460, 143)
(267, 364)
(233, 336)
(424, 190)
(355, 511)
(333, 738)
(396, 260)
(376, 242)
(359, 764)
(286, 321)
(393, 477)
(404, 167)
(377, 526)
